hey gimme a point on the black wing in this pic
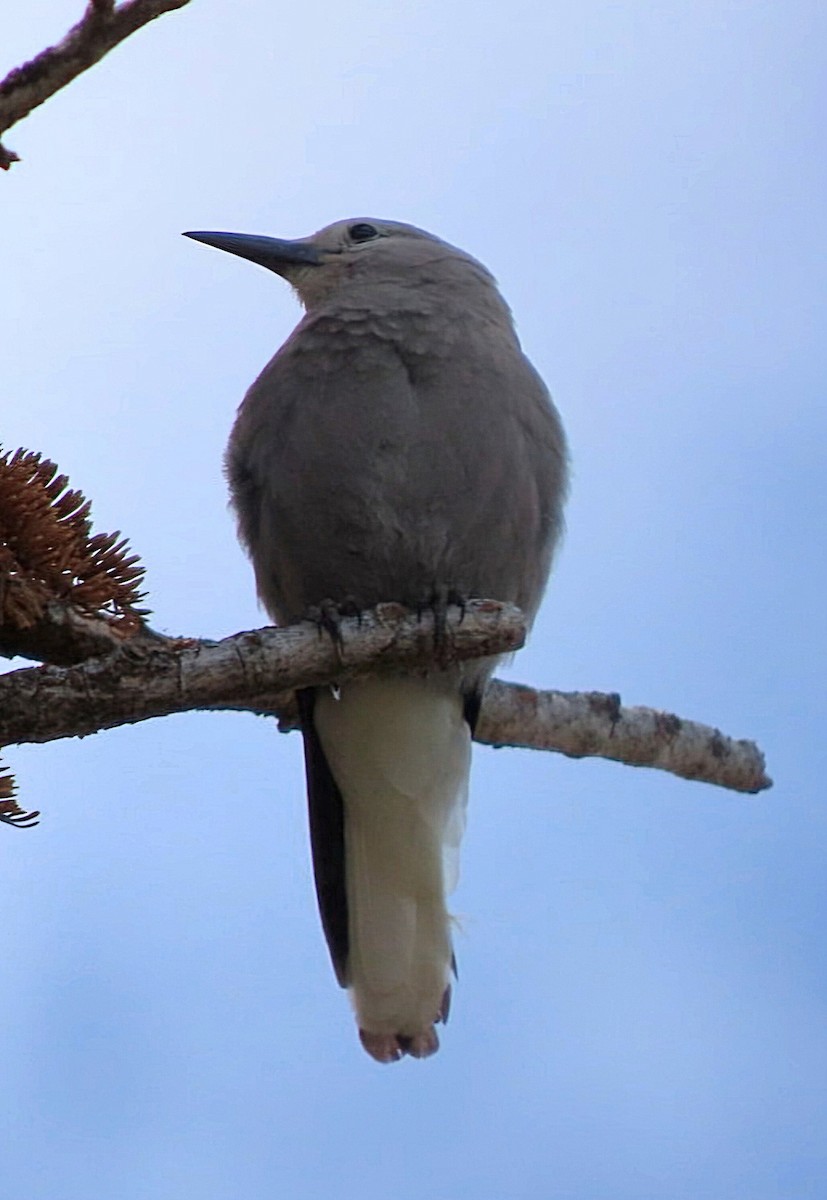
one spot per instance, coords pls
(327, 838)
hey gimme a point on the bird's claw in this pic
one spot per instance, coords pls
(328, 616)
(438, 603)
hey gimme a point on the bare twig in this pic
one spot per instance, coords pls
(152, 676)
(583, 724)
(596, 725)
(102, 27)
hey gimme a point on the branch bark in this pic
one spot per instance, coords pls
(594, 724)
(64, 636)
(258, 671)
(103, 26)
(154, 676)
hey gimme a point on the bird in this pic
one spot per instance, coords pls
(400, 447)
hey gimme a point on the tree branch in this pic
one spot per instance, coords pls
(153, 677)
(594, 724)
(102, 27)
(258, 671)
(64, 636)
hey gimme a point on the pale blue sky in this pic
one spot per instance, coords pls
(641, 1007)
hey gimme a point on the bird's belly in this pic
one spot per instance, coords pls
(372, 560)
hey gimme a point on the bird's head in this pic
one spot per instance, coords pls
(349, 254)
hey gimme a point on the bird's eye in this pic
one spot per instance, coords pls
(363, 232)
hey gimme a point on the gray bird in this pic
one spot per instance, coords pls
(399, 446)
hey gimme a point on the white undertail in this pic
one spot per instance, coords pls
(400, 752)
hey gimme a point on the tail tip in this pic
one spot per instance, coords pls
(390, 1047)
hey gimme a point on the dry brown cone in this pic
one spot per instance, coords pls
(47, 550)
(10, 811)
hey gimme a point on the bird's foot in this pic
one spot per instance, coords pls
(328, 616)
(438, 603)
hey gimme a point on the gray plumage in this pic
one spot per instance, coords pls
(399, 446)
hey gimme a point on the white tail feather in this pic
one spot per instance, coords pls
(400, 752)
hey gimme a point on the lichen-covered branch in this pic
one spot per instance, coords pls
(597, 725)
(62, 635)
(151, 676)
(594, 724)
(103, 26)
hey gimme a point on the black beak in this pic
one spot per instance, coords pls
(273, 253)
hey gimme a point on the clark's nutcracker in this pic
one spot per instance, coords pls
(398, 447)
